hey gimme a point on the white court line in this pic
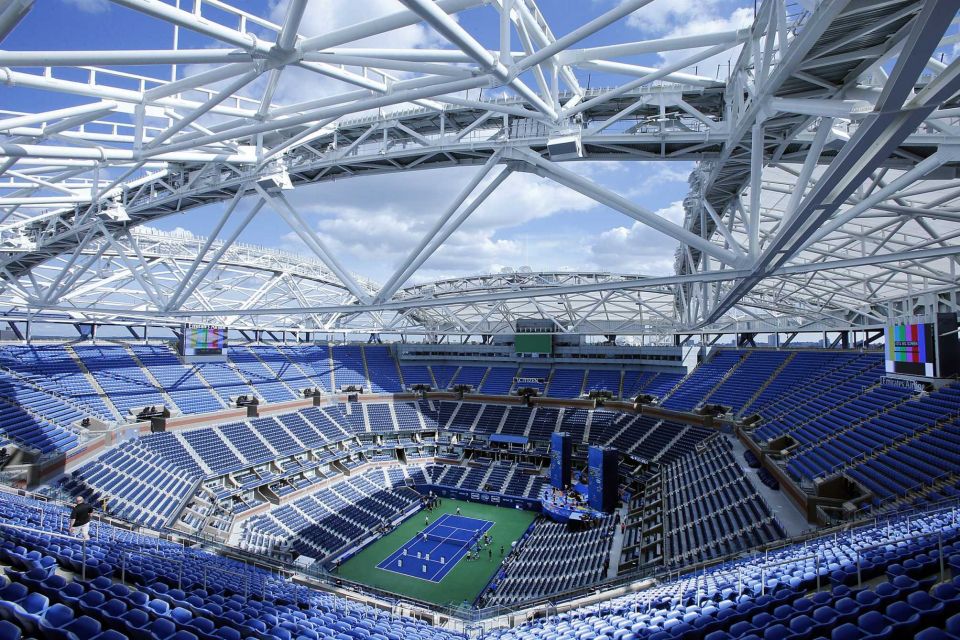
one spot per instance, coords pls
(390, 559)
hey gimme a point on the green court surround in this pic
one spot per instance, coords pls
(465, 581)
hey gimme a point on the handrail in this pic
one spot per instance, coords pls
(138, 552)
(44, 532)
(767, 565)
(326, 580)
(939, 534)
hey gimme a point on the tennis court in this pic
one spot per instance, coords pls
(432, 553)
(462, 581)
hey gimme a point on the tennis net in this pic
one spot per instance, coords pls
(458, 537)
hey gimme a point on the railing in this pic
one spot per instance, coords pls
(131, 552)
(939, 534)
(44, 532)
(386, 600)
(768, 565)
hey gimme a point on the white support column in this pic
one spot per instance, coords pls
(446, 232)
(177, 301)
(615, 201)
(388, 289)
(12, 14)
(756, 188)
(293, 219)
(452, 31)
(505, 8)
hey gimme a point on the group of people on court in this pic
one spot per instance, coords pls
(483, 542)
(430, 501)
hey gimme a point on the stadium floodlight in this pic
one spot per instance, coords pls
(115, 211)
(566, 146)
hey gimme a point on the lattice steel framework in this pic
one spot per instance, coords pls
(824, 195)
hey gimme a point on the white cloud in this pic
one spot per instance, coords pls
(650, 183)
(674, 18)
(373, 226)
(323, 17)
(91, 6)
(662, 16)
(299, 85)
(637, 248)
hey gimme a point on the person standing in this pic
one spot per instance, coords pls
(458, 510)
(490, 551)
(80, 518)
(426, 521)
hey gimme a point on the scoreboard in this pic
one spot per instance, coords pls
(929, 349)
(910, 349)
(201, 341)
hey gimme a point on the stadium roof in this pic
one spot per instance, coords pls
(824, 194)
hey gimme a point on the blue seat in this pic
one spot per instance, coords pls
(802, 626)
(953, 624)
(111, 610)
(180, 615)
(9, 631)
(109, 634)
(875, 626)
(33, 578)
(10, 596)
(776, 632)
(55, 620)
(932, 633)
(931, 611)
(201, 627)
(51, 586)
(161, 629)
(134, 622)
(71, 593)
(83, 628)
(226, 633)
(159, 607)
(904, 618)
(847, 610)
(90, 603)
(30, 610)
(948, 594)
(846, 631)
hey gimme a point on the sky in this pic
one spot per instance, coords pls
(373, 222)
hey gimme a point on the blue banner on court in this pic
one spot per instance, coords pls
(482, 497)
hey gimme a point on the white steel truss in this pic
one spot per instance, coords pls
(824, 195)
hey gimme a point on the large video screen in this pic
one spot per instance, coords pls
(203, 341)
(910, 349)
(533, 343)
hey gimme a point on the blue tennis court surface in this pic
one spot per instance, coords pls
(447, 541)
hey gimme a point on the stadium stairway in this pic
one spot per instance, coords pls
(872, 401)
(766, 383)
(799, 397)
(167, 398)
(92, 381)
(879, 580)
(49, 391)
